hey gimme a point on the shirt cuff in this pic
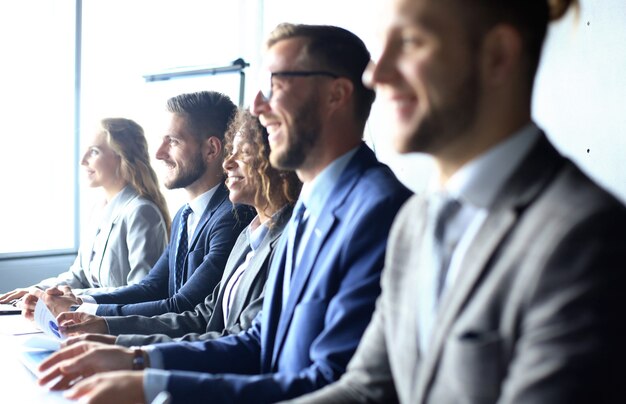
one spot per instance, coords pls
(87, 299)
(155, 357)
(90, 308)
(154, 382)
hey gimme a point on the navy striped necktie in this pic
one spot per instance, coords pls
(183, 247)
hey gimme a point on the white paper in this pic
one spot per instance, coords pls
(46, 321)
(42, 342)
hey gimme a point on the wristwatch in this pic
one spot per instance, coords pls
(139, 360)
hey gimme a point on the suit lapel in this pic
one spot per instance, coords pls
(535, 171)
(318, 236)
(94, 264)
(272, 305)
(264, 250)
(408, 336)
(221, 193)
(236, 257)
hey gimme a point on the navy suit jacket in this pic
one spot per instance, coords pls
(291, 351)
(214, 237)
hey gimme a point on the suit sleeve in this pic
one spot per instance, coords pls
(170, 325)
(154, 286)
(74, 277)
(348, 313)
(189, 326)
(218, 242)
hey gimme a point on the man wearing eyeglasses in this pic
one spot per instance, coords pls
(324, 277)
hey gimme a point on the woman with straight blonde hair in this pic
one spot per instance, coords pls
(129, 230)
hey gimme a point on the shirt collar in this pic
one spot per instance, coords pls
(256, 236)
(200, 202)
(479, 181)
(315, 194)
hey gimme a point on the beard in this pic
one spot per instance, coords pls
(187, 174)
(448, 121)
(300, 138)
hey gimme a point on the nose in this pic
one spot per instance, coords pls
(381, 72)
(83, 161)
(161, 153)
(260, 104)
(229, 163)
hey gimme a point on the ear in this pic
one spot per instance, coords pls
(340, 92)
(212, 149)
(501, 52)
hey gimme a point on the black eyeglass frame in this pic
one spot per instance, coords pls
(267, 91)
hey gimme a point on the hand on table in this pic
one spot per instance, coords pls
(74, 323)
(82, 360)
(57, 299)
(13, 295)
(119, 387)
(101, 338)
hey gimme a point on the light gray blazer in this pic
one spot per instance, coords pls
(126, 243)
(206, 321)
(536, 314)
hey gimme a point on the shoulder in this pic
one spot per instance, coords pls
(572, 198)
(378, 186)
(140, 208)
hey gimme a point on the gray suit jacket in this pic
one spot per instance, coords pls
(120, 249)
(536, 314)
(207, 320)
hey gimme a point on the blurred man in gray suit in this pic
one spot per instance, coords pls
(504, 282)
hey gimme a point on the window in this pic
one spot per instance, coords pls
(123, 41)
(39, 155)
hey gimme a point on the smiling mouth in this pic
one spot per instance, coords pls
(168, 165)
(234, 179)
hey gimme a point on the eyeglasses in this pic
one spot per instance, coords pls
(267, 82)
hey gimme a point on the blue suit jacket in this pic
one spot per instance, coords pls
(306, 345)
(210, 246)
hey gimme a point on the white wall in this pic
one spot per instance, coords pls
(580, 93)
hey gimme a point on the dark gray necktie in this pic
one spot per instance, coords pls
(447, 210)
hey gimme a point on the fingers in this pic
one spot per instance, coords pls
(54, 291)
(13, 295)
(119, 387)
(30, 301)
(75, 317)
(67, 370)
(81, 323)
(104, 339)
(63, 354)
(74, 340)
(66, 289)
(83, 387)
(65, 377)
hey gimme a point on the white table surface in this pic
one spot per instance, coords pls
(17, 384)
